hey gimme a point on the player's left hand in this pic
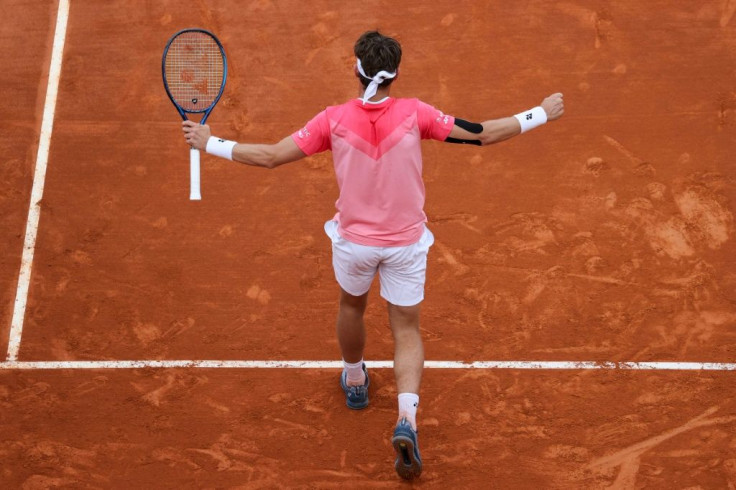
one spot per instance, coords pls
(196, 134)
(553, 106)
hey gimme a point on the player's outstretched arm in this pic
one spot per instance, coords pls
(259, 155)
(497, 130)
(268, 156)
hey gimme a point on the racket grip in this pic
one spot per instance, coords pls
(194, 182)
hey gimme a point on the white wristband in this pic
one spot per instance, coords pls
(219, 147)
(531, 119)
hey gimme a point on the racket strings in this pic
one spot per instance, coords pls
(194, 70)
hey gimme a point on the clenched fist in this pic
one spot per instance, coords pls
(553, 106)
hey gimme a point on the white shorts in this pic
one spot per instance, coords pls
(402, 270)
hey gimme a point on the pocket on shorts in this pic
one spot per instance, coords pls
(426, 241)
(331, 231)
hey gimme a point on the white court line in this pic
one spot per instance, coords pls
(39, 177)
(214, 364)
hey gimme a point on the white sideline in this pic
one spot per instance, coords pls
(253, 364)
(39, 177)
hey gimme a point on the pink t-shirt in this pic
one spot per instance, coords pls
(378, 163)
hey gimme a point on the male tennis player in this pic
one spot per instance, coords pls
(380, 226)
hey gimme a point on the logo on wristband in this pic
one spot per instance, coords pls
(529, 117)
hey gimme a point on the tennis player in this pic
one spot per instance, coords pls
(380, 226)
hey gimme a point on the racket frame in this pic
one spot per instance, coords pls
(194, 170)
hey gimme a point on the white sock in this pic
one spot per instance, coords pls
(355, 374)
(408, 406)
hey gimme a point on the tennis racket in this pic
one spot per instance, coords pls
(194, 69)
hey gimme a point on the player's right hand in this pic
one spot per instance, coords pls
(553, 106)
(196, 134)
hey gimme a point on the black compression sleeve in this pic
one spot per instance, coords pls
(462, 141)
(472, 127)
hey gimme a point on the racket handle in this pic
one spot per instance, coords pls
(194, 188)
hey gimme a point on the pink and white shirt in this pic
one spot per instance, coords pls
(378, 163)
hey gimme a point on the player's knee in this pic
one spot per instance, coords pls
(349, 301)
(404, 316)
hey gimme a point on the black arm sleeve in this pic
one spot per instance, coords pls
(462, 141)
(471, 127)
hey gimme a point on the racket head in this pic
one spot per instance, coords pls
(194, 69)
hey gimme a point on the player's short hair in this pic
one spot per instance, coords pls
(377, 52)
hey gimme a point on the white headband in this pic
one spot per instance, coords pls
(377, 79)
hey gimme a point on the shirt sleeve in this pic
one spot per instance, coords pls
(433, 123)
(314, 137)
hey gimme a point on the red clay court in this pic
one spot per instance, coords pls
(580, 319)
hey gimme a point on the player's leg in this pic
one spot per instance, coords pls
(355, 267)
(403, 273)
(408, 365)
(408, 353)
(350, 327)
(354, 379)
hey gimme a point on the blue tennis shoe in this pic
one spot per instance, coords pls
(408, 461)
(356, 397)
